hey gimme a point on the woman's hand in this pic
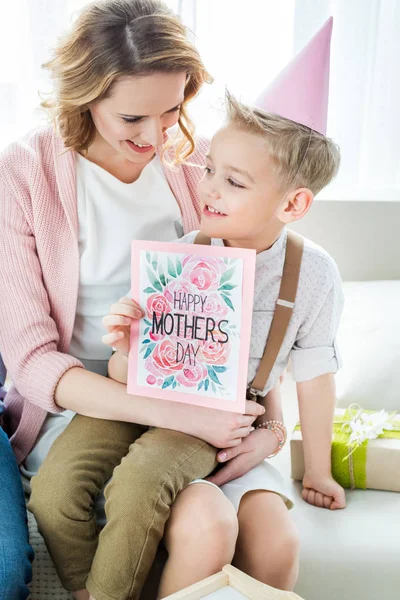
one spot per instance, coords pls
(118, 324)
(219, 428)
(245, 456)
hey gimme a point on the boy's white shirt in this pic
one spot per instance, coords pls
(310, 340)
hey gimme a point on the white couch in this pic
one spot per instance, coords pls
(355, 553)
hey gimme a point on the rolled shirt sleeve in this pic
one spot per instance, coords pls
(315, 351)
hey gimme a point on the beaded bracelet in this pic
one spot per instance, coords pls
(278, 428)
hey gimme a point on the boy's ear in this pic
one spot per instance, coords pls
(297, 205)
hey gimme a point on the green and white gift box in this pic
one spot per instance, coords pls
(365, 449)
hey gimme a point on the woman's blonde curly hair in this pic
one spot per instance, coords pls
(113, 39)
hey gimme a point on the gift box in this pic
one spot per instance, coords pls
(365, 449)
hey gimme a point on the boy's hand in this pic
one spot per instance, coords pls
(323, 492)
(118, 323)
(238, 460)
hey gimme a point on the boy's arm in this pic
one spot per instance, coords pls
(118, 367)
(316, 405)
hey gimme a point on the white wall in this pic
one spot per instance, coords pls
(363, 237)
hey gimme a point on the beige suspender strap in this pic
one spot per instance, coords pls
(283, 310)
(202, 238)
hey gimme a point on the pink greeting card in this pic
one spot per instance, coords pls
(193, 343)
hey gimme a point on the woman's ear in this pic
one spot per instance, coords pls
(297, 205)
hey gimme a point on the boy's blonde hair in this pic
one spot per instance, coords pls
(113, 39)
(302, 157)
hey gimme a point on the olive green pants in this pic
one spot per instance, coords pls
(149, 467)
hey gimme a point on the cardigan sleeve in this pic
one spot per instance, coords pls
(28, 334)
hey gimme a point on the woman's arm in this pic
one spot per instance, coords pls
(92, 395)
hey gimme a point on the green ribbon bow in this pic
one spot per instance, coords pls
(349, 458)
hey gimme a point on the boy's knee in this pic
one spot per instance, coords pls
(288, 547)
(207, 524)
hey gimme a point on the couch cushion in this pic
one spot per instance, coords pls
(369, 342)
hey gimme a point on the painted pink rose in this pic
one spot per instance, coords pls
(204, 274)
(214, 353)
(191, 375)
(164, 357)
(157, 303)
(156, 337)
(214, 307)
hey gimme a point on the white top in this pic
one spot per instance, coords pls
(310, 340)
(111, 214)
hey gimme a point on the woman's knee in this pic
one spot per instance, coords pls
(203, 516)
(15, 570)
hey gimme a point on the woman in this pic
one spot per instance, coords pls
(72, 197)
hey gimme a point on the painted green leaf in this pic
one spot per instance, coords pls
(206, 384)
(178, 266)
(214, 389)
(149, 290)
(147, 321)
(219, 369)
(146, 331)
(167, 382)
(154, 262)
(149, 350)
(146, 341)
(228, 301)
(200, 385)
(226, 276)
(148, 256)
(212, 375)
(227, 286)
(152, 278)
(174, 385)
(162, 279)
(171, 268)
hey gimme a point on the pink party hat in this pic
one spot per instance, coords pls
(300, 91)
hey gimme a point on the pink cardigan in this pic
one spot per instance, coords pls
(39, 270)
